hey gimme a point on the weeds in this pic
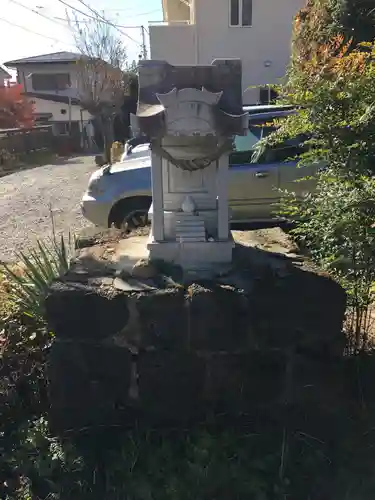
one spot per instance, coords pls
(40, 267)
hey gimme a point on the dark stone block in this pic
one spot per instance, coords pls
(218, 318)
(245, 382)
(89, 384)
(163, 319)
(359, 376)
(302, 309)
(317, 383)
(170, 384)
(75, 310)
(224, 387)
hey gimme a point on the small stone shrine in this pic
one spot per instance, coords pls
(260, 340)
(190, 115)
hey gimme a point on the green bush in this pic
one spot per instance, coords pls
(40, 266)
(336, 225)
(334, 90)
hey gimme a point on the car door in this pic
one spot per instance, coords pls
(293, 176)
(252, 186)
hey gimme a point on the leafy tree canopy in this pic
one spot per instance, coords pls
(321, 20)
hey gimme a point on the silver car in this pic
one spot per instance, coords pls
(120, 194)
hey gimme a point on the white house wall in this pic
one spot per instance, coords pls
(4, 77)
(180, 49)
(56, 108)
(264, 48)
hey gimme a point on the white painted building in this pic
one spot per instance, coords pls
(48, 74)
(59, 111)
(51, 82)
(5, 76)
(256, 31)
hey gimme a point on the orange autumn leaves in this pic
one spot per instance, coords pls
(15, 109)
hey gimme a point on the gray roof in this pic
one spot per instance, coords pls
(55, 57)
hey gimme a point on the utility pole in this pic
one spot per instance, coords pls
(144, 46)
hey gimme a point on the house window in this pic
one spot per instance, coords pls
(241, 13)
(53, 81)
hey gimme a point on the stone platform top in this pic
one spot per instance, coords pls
(108, 253)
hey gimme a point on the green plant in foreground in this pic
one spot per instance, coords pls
(334, 94)
(40, 267)
(147, 465)
(335, 224)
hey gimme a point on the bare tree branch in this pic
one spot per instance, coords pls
(102, 80)
(102, 72)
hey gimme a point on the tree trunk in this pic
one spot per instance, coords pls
(107, 131)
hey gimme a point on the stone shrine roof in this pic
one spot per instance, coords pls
(223, 76)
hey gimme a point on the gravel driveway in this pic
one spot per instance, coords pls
(27, 197)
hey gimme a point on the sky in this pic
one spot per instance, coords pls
(33, 27)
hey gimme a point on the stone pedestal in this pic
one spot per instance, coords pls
(194, 256)
(173, 352)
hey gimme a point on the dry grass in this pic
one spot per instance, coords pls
(6, 305)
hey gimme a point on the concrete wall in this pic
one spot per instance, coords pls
(268, 39)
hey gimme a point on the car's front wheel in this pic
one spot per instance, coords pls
(131, 213)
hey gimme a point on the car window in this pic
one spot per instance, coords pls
(288, 151)
(244, 145)
(282, 154)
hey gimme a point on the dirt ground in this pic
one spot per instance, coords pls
(31, 198)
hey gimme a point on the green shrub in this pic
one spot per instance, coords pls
(336, 225)
(334, 91)
(40, 267)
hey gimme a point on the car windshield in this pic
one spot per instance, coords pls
(253, 136)
(258, 129)
(141, 148)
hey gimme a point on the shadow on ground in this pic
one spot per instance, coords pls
(52, 160)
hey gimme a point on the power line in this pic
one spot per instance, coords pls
(77, 10)
(97, 15)
(108, 22)
(37, 12)
(140, 14)
(33, 32)
(83, 21)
